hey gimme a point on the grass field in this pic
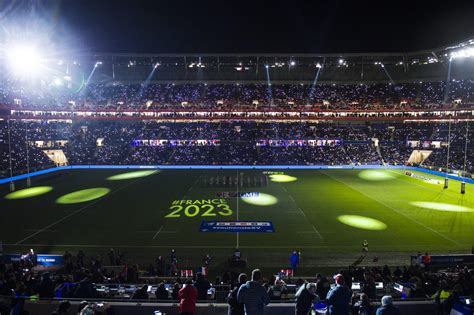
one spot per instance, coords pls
(324, 213)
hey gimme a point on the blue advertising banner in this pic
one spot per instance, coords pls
(50, 260)
(237, 226)
(42, 260)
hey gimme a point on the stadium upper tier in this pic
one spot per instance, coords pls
(458, 94)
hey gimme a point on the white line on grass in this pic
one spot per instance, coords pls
(397, 211)
(75, 212)
(158, 232)
(317, 232)
(302, 212)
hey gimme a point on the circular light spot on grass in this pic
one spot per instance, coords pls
(83, 195)
(361, 222)
(439, 206)
(375, 176)
(29, 192)
(260, 200)
(131, 175)
(282, 178)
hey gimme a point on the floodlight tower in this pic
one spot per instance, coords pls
(447, 155)
(463, 183)
(28, 179)
(12, 184)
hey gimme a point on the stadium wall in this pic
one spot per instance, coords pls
(233, 167)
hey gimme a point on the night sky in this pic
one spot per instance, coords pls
(163, 26)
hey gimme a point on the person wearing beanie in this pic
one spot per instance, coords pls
(387, 307)
(339, 297)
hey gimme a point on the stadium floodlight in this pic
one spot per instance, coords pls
(57, 82)
(24, 59)
(318, 65)
(463, 53)
(341, 61)
(267, 66)
(292, 63)
(98, 63)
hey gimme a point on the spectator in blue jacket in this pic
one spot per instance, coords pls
(253, 295)
(339, 297)
(294, 260)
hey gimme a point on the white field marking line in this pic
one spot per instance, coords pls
(158, 232)
(317, 232)
(222, 247)
(295, 211)
(76, 212)
(34, 230)
(399, 212)
(292, 199)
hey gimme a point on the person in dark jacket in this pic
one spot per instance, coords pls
(253, 295)
(46, 286)
(187, 299)
(339, 297)
(387, 307)
(140, 294)
(202, 285)
(305, 297)
(161, 292)
(85, 289)
(236, 308)
(175, 293)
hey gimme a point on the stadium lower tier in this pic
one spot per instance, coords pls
(39, 144)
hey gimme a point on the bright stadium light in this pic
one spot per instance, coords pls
(24, 59)
(463, 53)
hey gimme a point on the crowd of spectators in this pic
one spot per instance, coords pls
(81, 277)
(115, 95)
(235, 143)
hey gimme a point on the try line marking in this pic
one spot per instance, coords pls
(75, 212)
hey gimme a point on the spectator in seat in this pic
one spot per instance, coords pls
(175, 292)
(322, 285)
(387, 307)
(253, 295)
(339, 297)
(46, 286)
(187, 298)
(202, 285)
(363, 306)
(140, 294)
(305, 296)
(236, 308)
(84, 289)
(161, 292)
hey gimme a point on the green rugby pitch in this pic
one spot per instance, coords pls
(322, 213)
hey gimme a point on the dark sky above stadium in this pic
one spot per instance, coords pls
(311, 26)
